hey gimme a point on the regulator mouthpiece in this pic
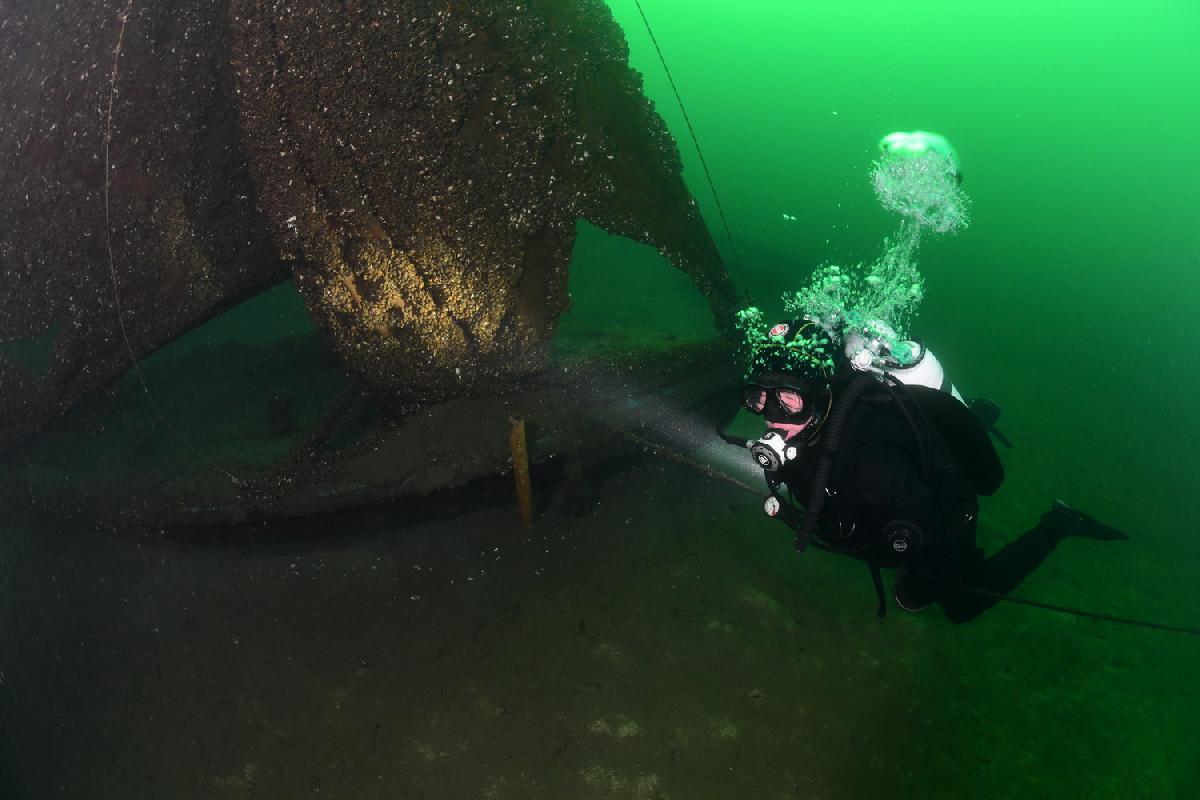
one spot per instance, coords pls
(772, 451)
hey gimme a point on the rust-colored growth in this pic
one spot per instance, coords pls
(520, 457)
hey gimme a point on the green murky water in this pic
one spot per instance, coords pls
(669, 643)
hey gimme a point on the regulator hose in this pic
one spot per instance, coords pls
(831, 438)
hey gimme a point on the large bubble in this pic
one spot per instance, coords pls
(924, 188)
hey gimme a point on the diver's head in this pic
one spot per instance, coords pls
(789, 388)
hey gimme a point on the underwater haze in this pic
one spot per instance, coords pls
(1071, 298)
(653, 635)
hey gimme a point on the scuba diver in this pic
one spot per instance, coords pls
(888, 464)
(869, 450)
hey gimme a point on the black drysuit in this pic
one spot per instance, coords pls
(915, 460)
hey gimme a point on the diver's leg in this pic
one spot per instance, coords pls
(1004, 571)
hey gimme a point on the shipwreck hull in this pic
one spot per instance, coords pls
(418, 167)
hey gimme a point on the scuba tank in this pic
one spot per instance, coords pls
(876, 348)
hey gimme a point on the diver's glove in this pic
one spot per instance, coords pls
(987, 413)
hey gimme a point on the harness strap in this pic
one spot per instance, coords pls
(789, 514)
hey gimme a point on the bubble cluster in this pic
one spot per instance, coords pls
(775, 351)
(879, 300)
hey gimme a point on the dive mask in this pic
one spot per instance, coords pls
(787, 400)
(781, 401)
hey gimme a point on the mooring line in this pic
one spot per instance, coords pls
(696, 142)
(112, 265)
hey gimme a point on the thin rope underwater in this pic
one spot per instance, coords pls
(137, 367)
(671, 455)
(696, 142)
